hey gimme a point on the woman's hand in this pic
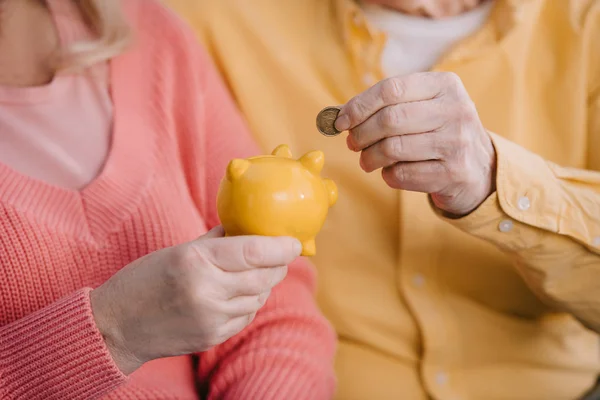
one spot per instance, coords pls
(188, 298)
(424, 131)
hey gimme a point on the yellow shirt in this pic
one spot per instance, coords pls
(427, 307)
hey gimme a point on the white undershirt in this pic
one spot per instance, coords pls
(414, 43)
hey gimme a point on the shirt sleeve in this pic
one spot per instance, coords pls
(547, 218)
(288, 350)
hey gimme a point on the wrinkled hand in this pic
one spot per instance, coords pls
(188, 298)
(424, 131)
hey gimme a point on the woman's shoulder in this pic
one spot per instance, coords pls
(159, 29)
(167, 51)
(177, 72)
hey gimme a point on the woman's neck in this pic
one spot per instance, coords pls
(28, 42)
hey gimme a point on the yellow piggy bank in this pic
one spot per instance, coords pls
(276, 195)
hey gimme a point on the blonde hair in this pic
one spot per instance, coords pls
(111, 30)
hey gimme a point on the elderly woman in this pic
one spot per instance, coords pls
(470, 267)
(115, 131)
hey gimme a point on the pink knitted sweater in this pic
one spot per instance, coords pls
(175, 128)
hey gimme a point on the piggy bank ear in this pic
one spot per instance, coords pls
(237, 168)
(332, 191)
(313, 161)
(282, 151)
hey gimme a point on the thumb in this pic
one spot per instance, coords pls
(216, 232)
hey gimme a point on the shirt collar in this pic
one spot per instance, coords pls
(506, 14)
(504, 17)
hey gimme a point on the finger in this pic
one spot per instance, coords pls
(422, 176)
(215, 232)
(245, 305)
(253, 282)
(242, 253)
(395, 120)
(235, 326)
(401, 89)
(407, 148)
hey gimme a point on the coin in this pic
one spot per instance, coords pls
(326, 121)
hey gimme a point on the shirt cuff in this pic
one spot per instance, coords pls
(527, 189)
(491, 223)
(528, 203)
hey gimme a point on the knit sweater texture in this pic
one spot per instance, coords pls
(175, 128)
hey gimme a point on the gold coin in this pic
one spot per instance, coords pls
(326, 121)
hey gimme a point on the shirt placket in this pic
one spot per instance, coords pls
(418, 256)
(366, 46)
(416, 264)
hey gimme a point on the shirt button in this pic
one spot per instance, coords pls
(596, 241)
(441, 378)
(505, 226)
(369, 80)
(418, 280)
(524, 204)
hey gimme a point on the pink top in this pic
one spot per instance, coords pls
(59, 133)
(174, 130)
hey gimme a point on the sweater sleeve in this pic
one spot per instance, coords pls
(287, 352)
(56, 353)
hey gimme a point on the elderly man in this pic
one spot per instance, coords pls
(469, 268)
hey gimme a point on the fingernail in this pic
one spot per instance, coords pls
(342, 123)
(297, 247)
(362, 164)
(262, 298)
(350, 143)
(284, 271)
(282, 274)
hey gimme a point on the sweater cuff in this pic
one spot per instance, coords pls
(57, 353)
(281, 382)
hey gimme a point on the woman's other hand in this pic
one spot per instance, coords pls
(188, 298)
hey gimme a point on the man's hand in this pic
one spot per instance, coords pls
(424, 131)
